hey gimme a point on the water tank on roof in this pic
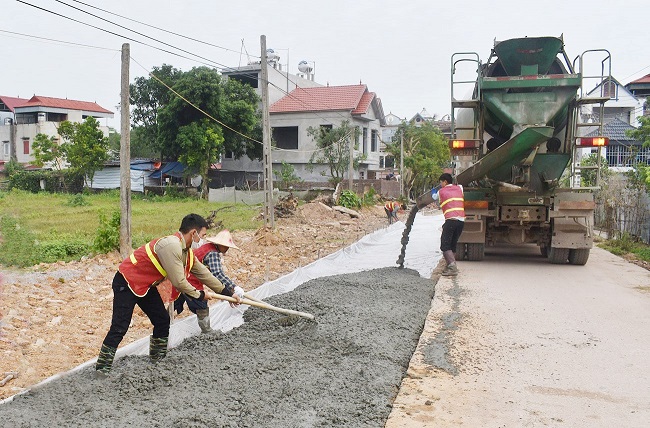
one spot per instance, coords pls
(41, 117)
(305, 67)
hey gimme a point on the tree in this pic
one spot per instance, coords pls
(642, 133)
(85, 147)
(287, 175)
(426, 153)
(588, 177)
(227, 110)
(47, 150)
(334, 145)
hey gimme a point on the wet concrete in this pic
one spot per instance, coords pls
(405, 236)
(344, 369)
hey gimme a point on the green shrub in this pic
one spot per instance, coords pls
(50, 252)
(643, 253)
(349, 199)
(78, 200)
(108, 233)
(369, 198)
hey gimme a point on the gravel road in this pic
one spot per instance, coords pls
(343, 369)
(514, 341)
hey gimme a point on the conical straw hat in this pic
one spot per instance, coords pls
(223, 238)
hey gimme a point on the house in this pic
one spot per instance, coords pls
(326, 107)
(23, 119)
(622, 151)
(622, 104)
(640, 88)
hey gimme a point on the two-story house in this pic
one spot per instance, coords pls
(23, 119)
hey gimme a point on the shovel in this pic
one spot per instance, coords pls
(261, 304)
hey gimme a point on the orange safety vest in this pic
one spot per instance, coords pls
(142, 269)
(452, 202)
(391, 205)
(200, 254)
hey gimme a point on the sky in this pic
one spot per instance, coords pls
(400, 50)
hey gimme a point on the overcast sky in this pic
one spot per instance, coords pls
(400, 49)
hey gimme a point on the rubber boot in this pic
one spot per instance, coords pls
(157, 348)
(203, 317)
(104, 361)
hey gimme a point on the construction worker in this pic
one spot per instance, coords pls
(392, 208)
(211, 255)
(135, 284)
(451, 201)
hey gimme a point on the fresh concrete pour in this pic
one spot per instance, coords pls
(343, 369)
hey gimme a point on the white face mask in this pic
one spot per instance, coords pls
(195, 244)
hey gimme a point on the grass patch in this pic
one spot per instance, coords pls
(39, 227)
(627, 245)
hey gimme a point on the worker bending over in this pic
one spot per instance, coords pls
(392, 208)
(451, 201)
(135, 284)
(210, 252)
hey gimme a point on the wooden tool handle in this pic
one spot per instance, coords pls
(260, 304)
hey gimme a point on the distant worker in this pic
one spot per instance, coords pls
(135, 284)
(211, 255)
(452, 203)
(392, 208)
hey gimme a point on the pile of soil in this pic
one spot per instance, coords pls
(343, 369)
(54, 317)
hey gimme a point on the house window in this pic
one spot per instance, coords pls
(381, 162)
(365, 141)
(5, 148)
(285, 137)
(610, 89)
(373, 140)
(229, 155)
(26, 146)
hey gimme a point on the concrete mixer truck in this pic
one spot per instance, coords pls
(513, 139)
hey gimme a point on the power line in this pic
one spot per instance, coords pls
(158, 28)
(60, 41)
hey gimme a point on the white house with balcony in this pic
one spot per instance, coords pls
(22, 119)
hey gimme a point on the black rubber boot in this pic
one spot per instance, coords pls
(157, 348)
(104, 361)
(203, 317)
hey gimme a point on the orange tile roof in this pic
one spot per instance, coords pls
(644, 79)
(39, 101)
(12, 102)
(353, 98)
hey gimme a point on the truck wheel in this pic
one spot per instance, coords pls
(558, 255)
(475, 252)
(579, 256)
(460, 251)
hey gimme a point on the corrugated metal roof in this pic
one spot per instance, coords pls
(12, 102)
(39, 101)
(352, 98)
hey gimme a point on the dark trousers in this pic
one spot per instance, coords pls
(192, 304)
(451, 231)
(124, 302)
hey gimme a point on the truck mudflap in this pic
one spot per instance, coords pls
(572, 221)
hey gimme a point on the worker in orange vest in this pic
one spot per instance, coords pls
(452, 203)
(392, 208)
(210, 253)
(135, 283)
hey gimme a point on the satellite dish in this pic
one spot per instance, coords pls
(304, 67)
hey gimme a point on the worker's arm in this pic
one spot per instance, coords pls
(206, 277)
(172, 258)
(213, 261)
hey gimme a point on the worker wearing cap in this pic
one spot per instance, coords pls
(392, 208)
(210, 253)
(452, 203)
(137, 278)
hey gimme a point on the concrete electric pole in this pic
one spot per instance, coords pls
(125, 157)
(269, 217)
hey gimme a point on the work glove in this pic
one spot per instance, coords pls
(239, 292)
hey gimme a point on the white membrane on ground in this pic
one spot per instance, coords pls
(376, 250)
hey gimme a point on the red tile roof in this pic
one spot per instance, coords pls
(12, 102)
(39, 101)
(353, 98)
(644, 79)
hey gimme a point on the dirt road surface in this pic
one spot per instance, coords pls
(514, 341)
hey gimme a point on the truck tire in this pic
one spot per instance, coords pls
(475, 252)
(460, 251)
(558, 256)
(579, 256)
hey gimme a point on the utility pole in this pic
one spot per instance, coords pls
(401, 164)
(125, 156)
(351, 165)
(269, 217)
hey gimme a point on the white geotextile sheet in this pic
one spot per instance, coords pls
(377, 250)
